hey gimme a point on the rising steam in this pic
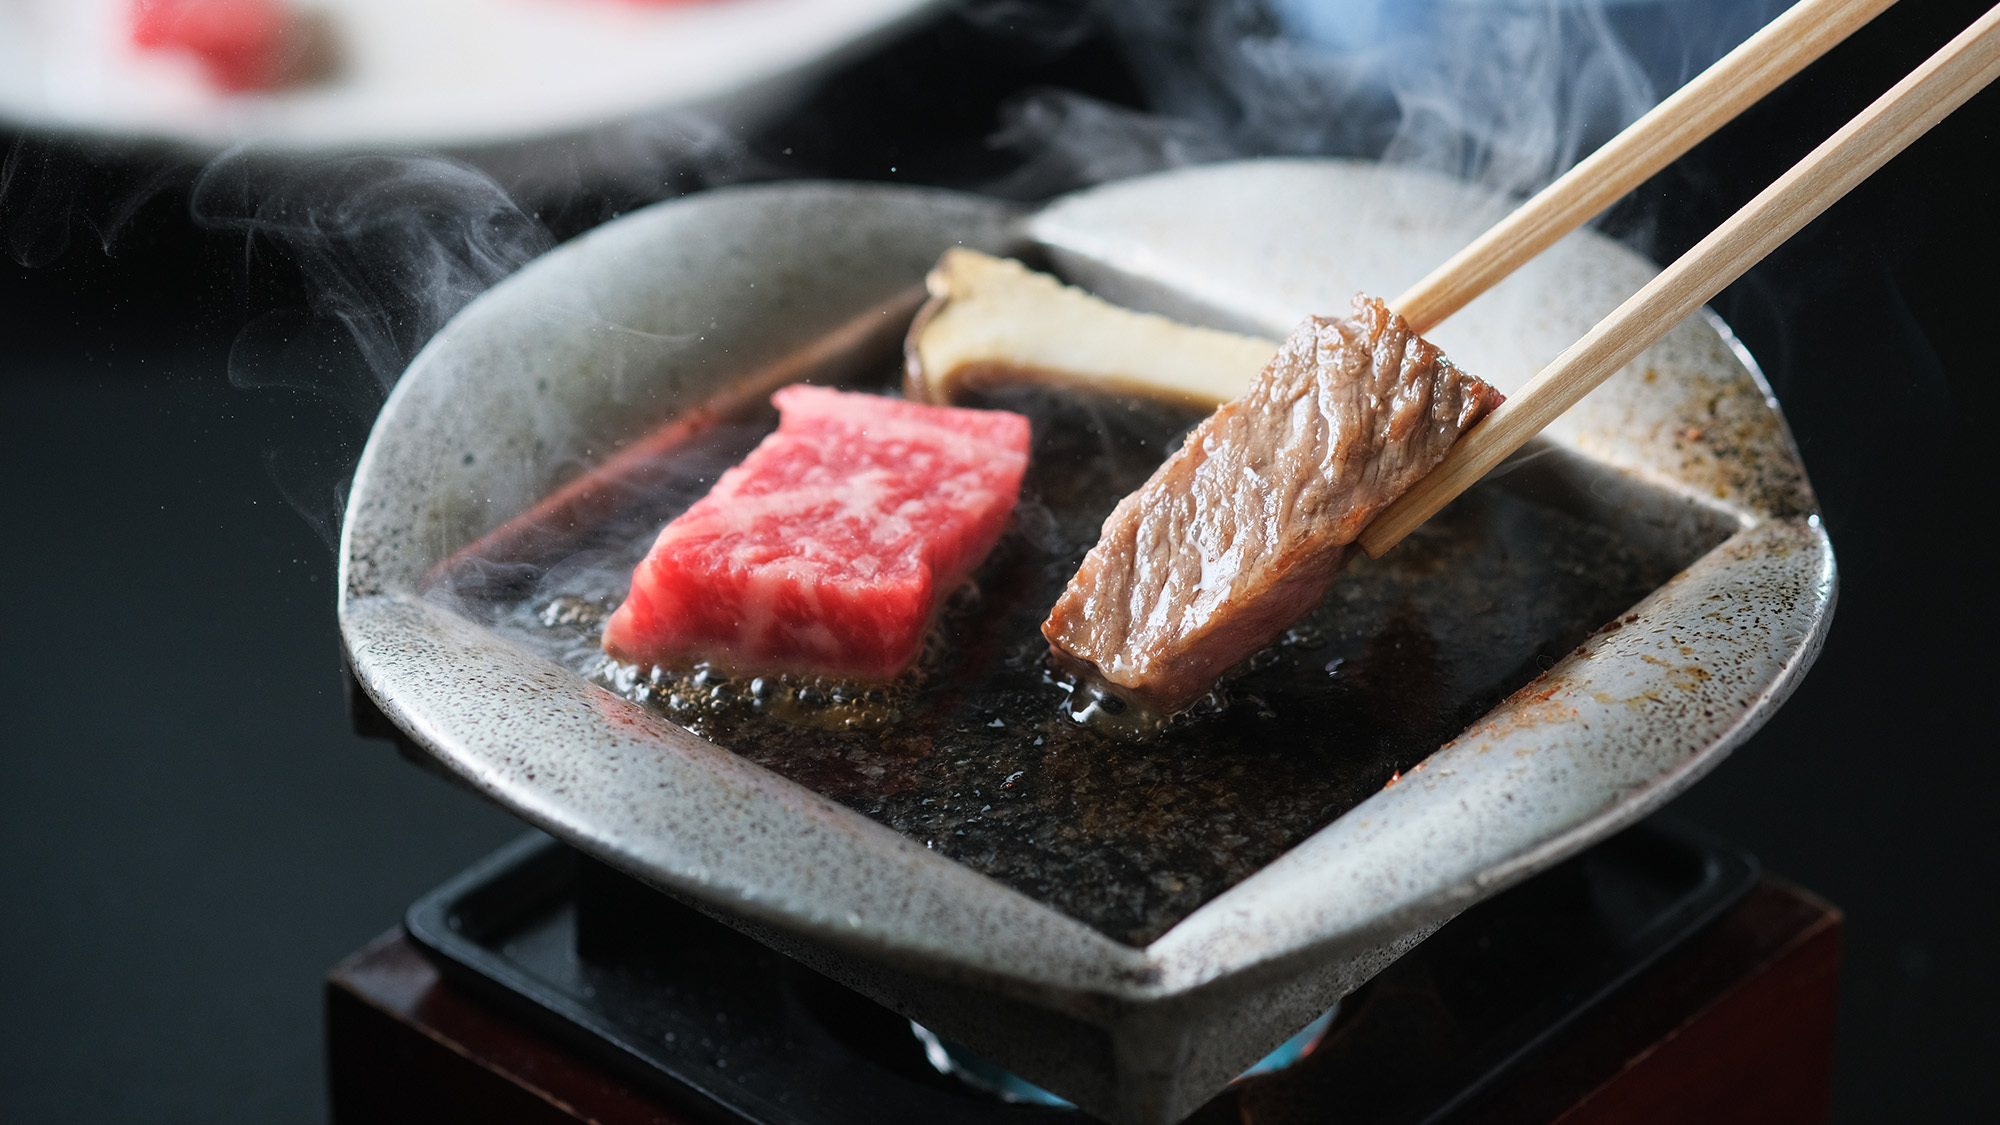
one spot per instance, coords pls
(389, 247)
(1506, 93)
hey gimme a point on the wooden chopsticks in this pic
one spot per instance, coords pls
(1945, 81)
(1711, 100)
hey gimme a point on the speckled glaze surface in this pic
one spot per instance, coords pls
(635, 323)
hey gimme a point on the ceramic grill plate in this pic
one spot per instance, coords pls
(637, 323)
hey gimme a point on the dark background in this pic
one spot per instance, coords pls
(190, 833)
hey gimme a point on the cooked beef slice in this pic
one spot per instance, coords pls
(1240, 532)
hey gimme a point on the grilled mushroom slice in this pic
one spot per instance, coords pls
(993, 320)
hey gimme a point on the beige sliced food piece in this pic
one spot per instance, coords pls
(992, 320)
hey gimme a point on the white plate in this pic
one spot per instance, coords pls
(434, 73)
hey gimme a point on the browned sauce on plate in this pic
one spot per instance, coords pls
(974, 753)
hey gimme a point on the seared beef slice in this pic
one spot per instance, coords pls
(1240, 533)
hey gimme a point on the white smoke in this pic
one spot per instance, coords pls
(389, 247)
(1506, 93)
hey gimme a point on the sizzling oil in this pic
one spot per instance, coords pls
(975, 753)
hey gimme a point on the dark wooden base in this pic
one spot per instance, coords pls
(1734, 1026)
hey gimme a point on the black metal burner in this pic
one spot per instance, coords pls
(720, 1024)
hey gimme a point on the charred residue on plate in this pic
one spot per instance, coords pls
(1719, 436)
(972, 753)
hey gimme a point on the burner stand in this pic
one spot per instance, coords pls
(689, 1016)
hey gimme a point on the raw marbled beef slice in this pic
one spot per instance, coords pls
(827, 550)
